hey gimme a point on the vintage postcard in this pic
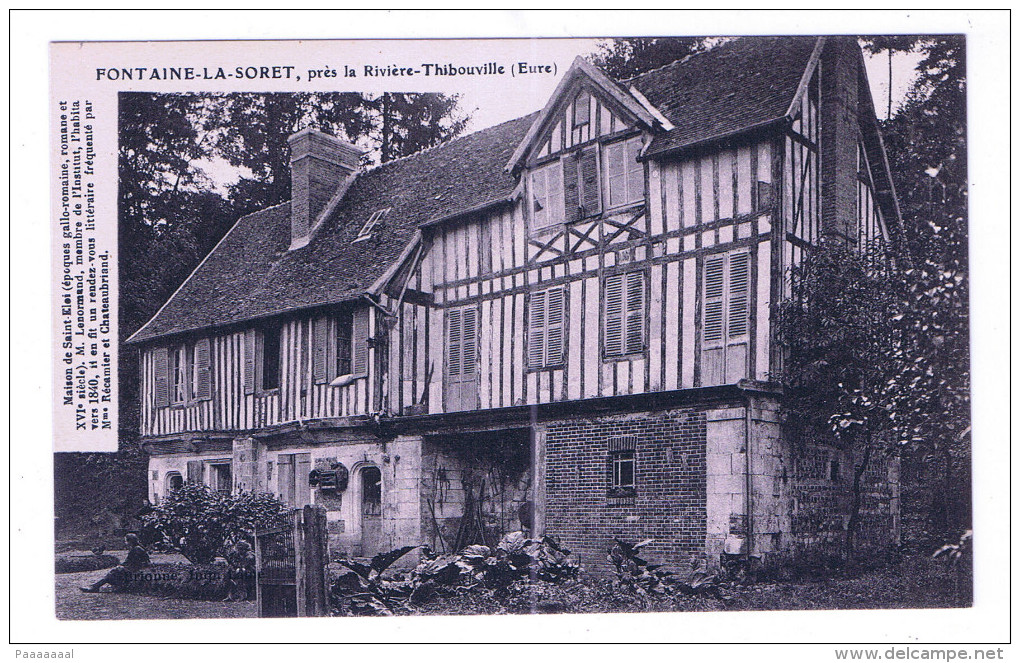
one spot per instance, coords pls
(656, 324)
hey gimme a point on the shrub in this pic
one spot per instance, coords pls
(201, 523)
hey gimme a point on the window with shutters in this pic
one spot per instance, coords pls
(624, 321)
(726, 317)
(625, 175)
(461, 342)
(179, 374)
(462, 358)
(545, 328)
(546, 196)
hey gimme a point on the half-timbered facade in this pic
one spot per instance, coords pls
(561, 323)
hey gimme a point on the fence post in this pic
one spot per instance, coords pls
(316, 558)
(300, 560)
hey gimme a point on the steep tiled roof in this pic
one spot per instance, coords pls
(740, 84)
(250, 274)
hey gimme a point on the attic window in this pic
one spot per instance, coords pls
(373, 221)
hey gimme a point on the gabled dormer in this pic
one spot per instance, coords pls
(580, 157)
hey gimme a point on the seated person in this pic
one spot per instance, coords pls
(119, 576)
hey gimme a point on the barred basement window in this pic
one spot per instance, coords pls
(622, 467)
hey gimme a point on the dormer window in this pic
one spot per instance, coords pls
(373, 221)
(546, 196)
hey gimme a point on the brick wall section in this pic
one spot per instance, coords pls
(839, 131)
(669, 505)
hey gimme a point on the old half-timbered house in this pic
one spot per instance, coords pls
(562, 323)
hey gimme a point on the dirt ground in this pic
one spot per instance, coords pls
(72, 603)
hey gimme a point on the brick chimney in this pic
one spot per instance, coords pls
(320, 166)
(839, 130)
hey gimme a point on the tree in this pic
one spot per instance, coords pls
(627, 57)
(408, 123)
(890, 44)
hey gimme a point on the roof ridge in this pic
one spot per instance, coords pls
(732, 40)
(445, 143)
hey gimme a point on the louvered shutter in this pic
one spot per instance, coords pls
(738, 304)
(712, 332)
(635, 319)
(571, 193)
(160, 369)
(285, 478)
(453, 343)
(614, 316)
(536, 330)
(591, 199)
(249, 361)
(359, 349)
(469, 322)
(635, 171)
(554, 327)
(320, 357)
(203, 381)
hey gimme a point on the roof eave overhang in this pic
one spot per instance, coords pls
(761, 127)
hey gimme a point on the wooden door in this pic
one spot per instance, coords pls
(371, 511)
(292, 479)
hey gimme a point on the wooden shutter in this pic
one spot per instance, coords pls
(469, 353)
(160, 370)
(302, 467)
(320, 356)
(554, 327)
(203, 381)
(453, 342)
(359, 343)
(249, 361)
(614, 316)
(712, 332)
(582, 111)
(635, 320)
(635, 171)
(536, 330)
(738, 291)
(591, 200)
(285, 478)
(571, 193)
(195, 471)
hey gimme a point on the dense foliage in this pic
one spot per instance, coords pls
(202, 523)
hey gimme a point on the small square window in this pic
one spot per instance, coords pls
(622, 473)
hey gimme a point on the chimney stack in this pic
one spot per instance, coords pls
(839, 130)
(319, 165)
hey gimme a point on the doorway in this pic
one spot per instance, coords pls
(371, 510)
